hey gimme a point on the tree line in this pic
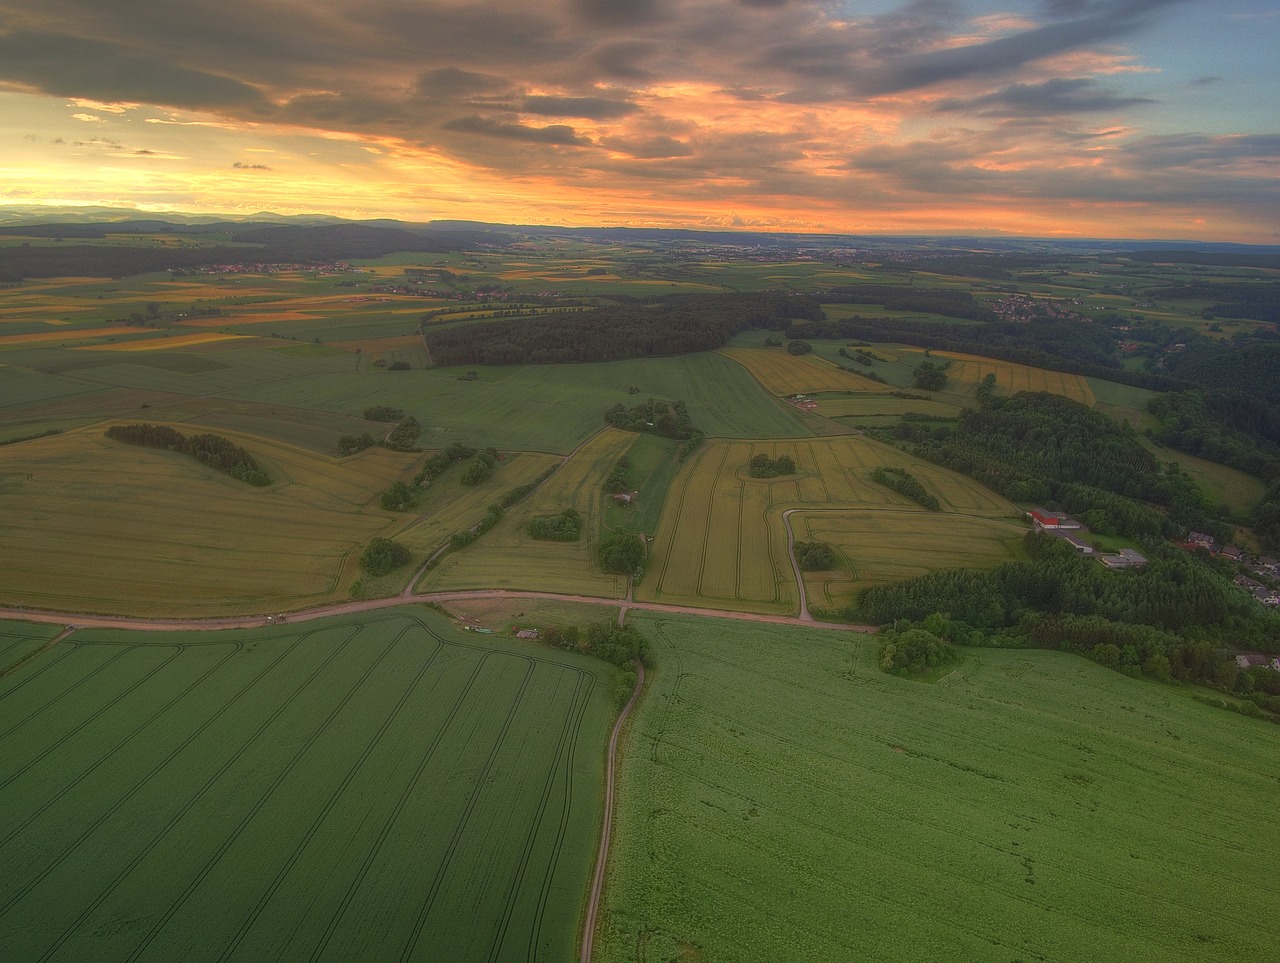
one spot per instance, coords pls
(213, 450)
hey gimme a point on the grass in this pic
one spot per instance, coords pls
(783, 799)
(107, 527)
(721, 542)
(653, 467)
(1226, 486)
(507, 557)
(377, 788)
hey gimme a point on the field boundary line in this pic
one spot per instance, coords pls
(606, 827)
(32, 656)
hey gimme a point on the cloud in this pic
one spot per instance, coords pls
(1049, 99)
(241, 166)
(78, 67)
(590, 108)
(558, 134)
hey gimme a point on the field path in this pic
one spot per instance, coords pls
(795, 566)
(606, 825)
(75, 620)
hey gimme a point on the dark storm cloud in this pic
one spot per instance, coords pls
(590, 108)
(1100, 22)
(453, 82)
(616, 13)
(77, 67)
(1051, 98)
(558, 134)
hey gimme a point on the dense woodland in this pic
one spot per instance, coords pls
(677, 324)
(1178, 607)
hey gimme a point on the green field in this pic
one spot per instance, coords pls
(782, 799)
(385, 788)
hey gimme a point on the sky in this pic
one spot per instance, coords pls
(1046, 118)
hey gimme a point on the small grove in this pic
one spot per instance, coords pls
(213, 450)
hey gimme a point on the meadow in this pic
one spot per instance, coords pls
(721, 542)
(110, 528)
(384, 787)
(783, 799)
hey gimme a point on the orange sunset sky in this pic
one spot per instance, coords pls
(1092, 118)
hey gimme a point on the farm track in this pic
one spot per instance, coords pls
(80, 621)
(606, 827)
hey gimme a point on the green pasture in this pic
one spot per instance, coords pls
(653, 467)
(1226, 486)
(782, 799)
(385, 787)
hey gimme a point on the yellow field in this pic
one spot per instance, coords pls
(175, 343)
(721, 541)
(67, 334)
(787, 374)
(507, 557)
(96, 525)
(1012, 378)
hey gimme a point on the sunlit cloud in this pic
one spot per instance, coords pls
(801, 115)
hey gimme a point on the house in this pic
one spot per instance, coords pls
(1247, 660)
(1044, 519)
(1231, 553)
(625, 498)
(1201, 540)
(1267, 596)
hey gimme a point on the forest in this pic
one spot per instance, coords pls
(674, 324)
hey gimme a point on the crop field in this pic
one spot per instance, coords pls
(855, 406)
(507, 557)
(783, 374)
(450, 506)
(783, 799)
(176, 343)
(108, 527)
(721, 542)
(1012, 378)
(377, 788)
(67, 335)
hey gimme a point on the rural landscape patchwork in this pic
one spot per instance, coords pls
(942, 575)
(639, 481)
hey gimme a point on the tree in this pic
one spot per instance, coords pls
(621, 553)
(383, 556)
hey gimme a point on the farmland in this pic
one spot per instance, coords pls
(358, 788)
(721, 541)
(507, 557)
(784, 799)
(110, 528)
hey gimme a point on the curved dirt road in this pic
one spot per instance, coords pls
(606, 825)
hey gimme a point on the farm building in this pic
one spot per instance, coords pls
(531, 634)
(1078, 543)
(1125, 558)
(1044, 519)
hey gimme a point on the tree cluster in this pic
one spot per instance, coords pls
(619, 479)
(564, 527)
(213, 450)
(930, 377)
(762, 466)
(404, 436)
(382, 556)
(383, 413)
(621, 553)
(914, 651)
(480, 467)
(907, 485)
(493, 515)
(350, 444)
(815, 556)
(676, 324)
